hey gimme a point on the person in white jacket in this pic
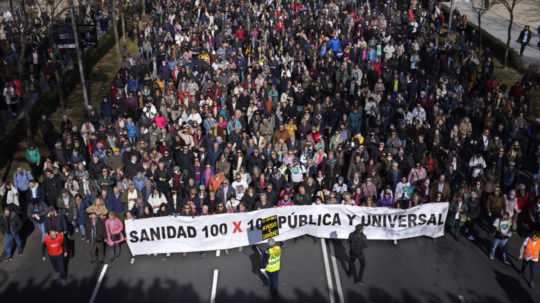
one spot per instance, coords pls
(403, 192)
(156, 199)
(477, 164)
(12, 194)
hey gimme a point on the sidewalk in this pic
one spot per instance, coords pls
(496, 20)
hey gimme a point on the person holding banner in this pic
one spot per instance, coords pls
(130, 217)
(114, 229)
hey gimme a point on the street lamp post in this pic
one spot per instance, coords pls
(450, 15)
(79, 56)
(480, 7)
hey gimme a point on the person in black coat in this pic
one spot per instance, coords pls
(357, 242)
(95, 229)
(163, 210)
(95, 167)
(55, 221)
(132, 167)
(52, 186)
(37, 213)
(10, 226)
(250, 198)
(175, 203)
(225, 192)
(34, 194)
(524, 38)
(185, 160)
(162, 176)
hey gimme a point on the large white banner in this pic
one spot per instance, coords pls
(189, 234)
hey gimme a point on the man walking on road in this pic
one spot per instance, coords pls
(96, 237)
(503, 232)
(55, 244)
(357, 242)
(273, 265)
(10, 226)
(529, 253)
(524, 38)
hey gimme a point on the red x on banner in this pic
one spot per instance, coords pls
(237, 228)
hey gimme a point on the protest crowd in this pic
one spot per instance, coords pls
(233, 106)
(29, 65)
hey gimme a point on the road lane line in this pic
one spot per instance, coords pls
(218, 253)
(214, 286)
(327, 271)
(336, 274)
(100, 279)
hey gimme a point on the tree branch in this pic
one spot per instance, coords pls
(56, 6)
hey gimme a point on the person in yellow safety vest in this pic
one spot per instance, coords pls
(273, 265)
(529, 253)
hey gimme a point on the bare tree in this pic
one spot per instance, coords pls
(79, 56)
(122, 11)
(24, 39)
(55, 11)
(510, 6)
(112, 10)
(480, 7)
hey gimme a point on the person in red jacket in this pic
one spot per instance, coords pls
(55, 244)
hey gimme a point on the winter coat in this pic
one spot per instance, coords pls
(495, 204)
(33, 156)
(114, 227)
(115, 204)
(40, 209)
(82, 216)
(15, 223)
(56, 222)
(69, 210)
(100, 233)
(97, 209)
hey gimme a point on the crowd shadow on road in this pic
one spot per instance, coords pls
(46, 289)
(256, 261)
(169, 290)
(341, 254)
(376, 295)
(513, 288)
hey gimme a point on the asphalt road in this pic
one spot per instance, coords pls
(313, 270)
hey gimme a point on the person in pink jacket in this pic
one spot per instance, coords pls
(161, 121)
(115, 236)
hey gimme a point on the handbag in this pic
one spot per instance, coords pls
(115, 237)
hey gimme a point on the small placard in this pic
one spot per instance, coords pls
(270, 227)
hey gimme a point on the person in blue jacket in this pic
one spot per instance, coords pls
(82, 204)
(335, 45)
(114, 201)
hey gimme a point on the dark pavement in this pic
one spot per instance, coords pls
(416, 270)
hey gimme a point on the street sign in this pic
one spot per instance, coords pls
(88, 34)
(270, 227)
(63, 35)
